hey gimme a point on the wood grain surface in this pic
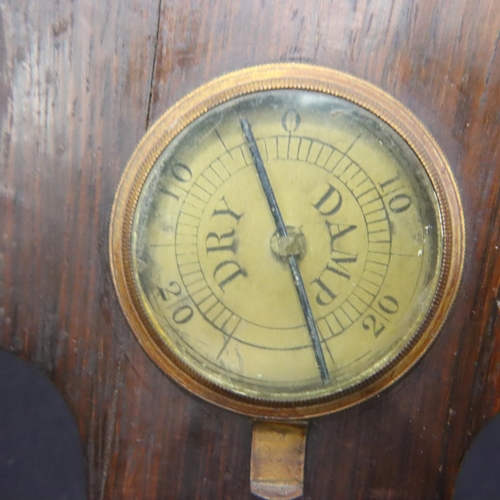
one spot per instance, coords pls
(80, 83)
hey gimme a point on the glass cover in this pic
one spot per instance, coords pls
(213, 272)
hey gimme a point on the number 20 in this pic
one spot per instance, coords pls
(388, 305)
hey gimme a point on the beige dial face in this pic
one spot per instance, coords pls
(213, 271)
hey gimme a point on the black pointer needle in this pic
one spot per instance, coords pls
(292, 259)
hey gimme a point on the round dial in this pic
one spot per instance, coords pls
(286, 241)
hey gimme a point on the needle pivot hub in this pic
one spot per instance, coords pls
(293, 244)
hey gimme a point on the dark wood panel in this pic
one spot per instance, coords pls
(79, 84)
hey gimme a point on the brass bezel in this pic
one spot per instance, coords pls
(271, 77)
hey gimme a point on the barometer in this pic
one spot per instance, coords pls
(286, 241)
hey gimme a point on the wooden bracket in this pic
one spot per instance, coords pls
(277, 462)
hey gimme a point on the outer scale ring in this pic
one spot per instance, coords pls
(275, 77)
